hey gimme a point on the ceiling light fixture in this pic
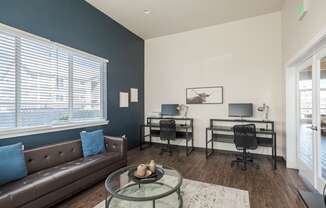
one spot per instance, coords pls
(146, 11)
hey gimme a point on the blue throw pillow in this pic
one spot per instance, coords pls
(12, 163)
(92, 142)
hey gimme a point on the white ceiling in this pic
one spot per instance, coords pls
(173, 16)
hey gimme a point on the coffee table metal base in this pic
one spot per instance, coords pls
(108, 199)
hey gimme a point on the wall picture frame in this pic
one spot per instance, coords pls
(204, 95)
(124, 99)
(134, 95)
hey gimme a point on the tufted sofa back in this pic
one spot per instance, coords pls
(52, 155)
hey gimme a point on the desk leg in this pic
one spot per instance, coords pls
(187, 138)
(192, 139)
(206, 144)
(212, 141)
(150, 136)
(209, 153)
(274, 152)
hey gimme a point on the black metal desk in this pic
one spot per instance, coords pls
(184, 126)
(222, 131)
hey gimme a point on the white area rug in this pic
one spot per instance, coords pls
(195, 194)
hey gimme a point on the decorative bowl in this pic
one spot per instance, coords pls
(157, 175)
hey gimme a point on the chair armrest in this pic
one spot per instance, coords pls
(116, 144)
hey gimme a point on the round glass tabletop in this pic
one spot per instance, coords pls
(121, 186)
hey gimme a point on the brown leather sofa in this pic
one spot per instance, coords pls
(58, 171)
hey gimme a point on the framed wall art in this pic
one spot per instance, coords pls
(204, 95)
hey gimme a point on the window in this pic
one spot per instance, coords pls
(46, 84)
(305, 90)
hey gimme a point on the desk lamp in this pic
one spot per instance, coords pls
(182, 108)
(265, 109)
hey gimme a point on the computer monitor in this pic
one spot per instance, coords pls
(240, 109)
(169, 109)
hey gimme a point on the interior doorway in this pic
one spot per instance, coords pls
(311, 118)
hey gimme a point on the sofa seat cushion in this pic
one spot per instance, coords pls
(45, 181)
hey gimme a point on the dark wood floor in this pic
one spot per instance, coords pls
(267, 188)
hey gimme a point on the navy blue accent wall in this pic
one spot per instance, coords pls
(77, 24)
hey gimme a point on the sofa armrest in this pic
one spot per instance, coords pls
(116, 144)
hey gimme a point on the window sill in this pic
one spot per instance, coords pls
(10, 133)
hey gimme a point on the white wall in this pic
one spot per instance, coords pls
(297, 33)
(243, 56)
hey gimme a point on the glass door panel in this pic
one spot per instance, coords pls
(306, 120)
(305, 112)
(322, 116)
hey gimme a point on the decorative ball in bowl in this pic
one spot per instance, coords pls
(146, 173)
(142, 171)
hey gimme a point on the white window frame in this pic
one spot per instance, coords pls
(25, 131)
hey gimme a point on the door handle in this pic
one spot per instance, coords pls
(312, 127)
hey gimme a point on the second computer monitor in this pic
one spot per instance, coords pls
(240, 110)
(169, 109)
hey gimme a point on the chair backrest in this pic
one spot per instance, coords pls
(167, 129)
(245, 136)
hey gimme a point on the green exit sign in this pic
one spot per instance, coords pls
(303, 8)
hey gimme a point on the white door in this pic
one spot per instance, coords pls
(306, 123)
(321, 118)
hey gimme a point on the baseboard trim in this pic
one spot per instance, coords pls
(279, 158)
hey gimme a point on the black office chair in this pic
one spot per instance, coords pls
(167, 132)
(245, 139)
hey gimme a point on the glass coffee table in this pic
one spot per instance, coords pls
(126, 193)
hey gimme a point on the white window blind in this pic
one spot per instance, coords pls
(7, 81)
(86, 97)
(42, 84)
